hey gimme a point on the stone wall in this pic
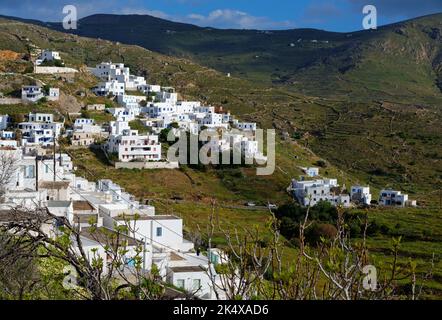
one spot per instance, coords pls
(51, 70)
(147, 165)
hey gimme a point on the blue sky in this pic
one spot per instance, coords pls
(332, 15)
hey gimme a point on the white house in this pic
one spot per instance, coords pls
(160, 109)
(360, 194)
(212, 120)
(147, 88)
(167, 97)
(390, 197)
(86, 138)
(183, 107)
(27, 127)
(130, 100)
(134, 82)
(191, 278)
(309, 193)
(130, 146)
(311, 172)
(111, 87)
(79, 122)
(48, 55)
(108, 71)
(96, 107)
(251, 126)
(122, 114)
(40, 117)
(31, 93)
(40, 129)
(171, 252)
(7, 134)
(118, 127)
(54, 94)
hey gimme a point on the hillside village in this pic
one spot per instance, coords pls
(44, 178)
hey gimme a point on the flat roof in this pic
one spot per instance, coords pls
(188, 269)
(145, 217)
(107, 236)
(54, 184)
(81, 205)
(58, 204)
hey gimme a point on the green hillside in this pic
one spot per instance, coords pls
(305, 58)
(373, 129)
(383, 140)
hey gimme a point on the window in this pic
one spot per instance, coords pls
(180, 283)
(159, 231)
(214, 258)
(29, 172)
(196, 284)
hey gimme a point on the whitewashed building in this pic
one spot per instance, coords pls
(361, 194)
(122, 114)
(40, 117)
(80, 122)
(246, 126)
(110, 72)
(311, 171)
(31, 93)
(54, 94)
(118, 127)
(390, 197)
(96, 107)
(310, 193)
(106, 204)
(149, 88)
(131, 147)
(109, 88)
(47, 55)
(40, 129)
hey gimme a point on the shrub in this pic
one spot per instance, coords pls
(321, 163)
(289, 228)
(317, 231)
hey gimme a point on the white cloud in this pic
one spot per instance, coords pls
(220, 18)
(154, 13)
(227, 18)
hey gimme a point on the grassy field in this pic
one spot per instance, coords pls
(421, 242)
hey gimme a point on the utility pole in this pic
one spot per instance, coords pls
(55, 162)
(36, 172)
